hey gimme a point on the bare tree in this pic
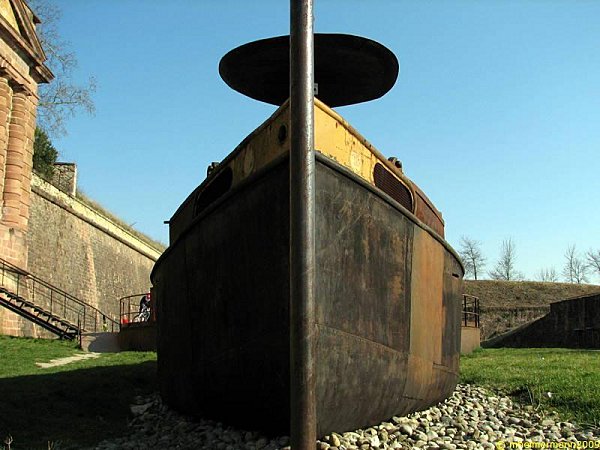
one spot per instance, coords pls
(505, 267)
(471, 256)
(593, 260)
(575, 269)
(548, 275)
(62, 98)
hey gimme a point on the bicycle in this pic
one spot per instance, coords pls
(143, 315)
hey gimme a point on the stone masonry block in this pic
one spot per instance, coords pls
(17, 132)
(12, 186)
(18, 116)
(10, 215)
(13, 167)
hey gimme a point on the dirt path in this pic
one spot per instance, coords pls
(66, 360)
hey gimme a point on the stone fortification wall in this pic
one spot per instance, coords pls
(81, 251)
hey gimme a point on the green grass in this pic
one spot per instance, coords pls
(82, 403)
(77, 404)
(511, 294)
(19, 356)
(571, 376)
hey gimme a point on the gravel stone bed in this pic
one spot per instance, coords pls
(472, 418)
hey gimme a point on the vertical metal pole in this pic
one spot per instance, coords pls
(302, 227)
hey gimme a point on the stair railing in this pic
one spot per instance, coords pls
(57, 302)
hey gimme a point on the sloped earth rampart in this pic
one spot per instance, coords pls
(508, 304)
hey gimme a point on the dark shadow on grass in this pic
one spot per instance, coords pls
(76, 408)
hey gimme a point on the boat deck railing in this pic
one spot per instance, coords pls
(470, 312)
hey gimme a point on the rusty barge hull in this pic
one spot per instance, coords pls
(388, 293)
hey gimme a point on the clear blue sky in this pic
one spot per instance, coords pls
(495, 114)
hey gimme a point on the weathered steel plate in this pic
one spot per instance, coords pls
(388, 320)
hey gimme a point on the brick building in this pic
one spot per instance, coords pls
(21, 70)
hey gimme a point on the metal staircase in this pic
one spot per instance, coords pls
(48, 306)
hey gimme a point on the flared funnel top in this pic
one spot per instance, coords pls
(348, 69)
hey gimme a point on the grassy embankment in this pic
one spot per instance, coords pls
(572, 377)
(508, 304)
(511, 294)
(77, 404)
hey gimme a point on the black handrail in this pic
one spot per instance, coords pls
(55, 301)
(470, 311)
